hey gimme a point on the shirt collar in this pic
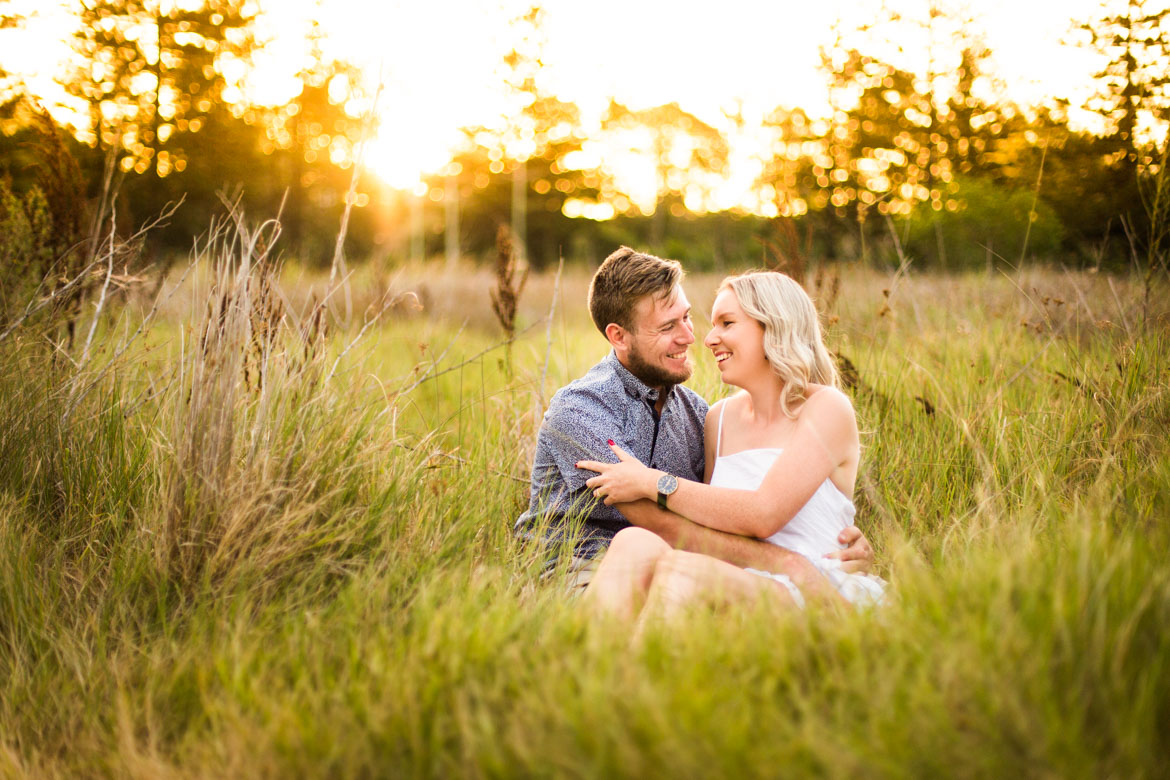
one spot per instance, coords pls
(634, 386)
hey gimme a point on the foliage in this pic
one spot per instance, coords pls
(517, 170)
(25, 246)
(1133, 86)
(310, 146)
(897, 136)
(151, 70)
(993, 227)
(483, 177)
(688, 155)
(9, 88)
(904, 130)
(43, 220)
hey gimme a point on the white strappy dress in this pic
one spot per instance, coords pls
(812, 532)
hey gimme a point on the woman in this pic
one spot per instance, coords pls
(782, 457)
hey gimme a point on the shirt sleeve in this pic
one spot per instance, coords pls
(577, 429)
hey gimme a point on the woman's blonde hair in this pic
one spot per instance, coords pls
(792, 331)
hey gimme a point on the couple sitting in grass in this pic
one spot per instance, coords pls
(748, 499)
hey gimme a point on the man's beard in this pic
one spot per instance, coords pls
(652, 375)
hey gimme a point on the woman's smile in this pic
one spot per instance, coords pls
(734, 335)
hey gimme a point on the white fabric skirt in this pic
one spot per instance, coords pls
(860, 590)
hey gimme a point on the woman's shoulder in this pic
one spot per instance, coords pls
(824, 403)
(731, 401)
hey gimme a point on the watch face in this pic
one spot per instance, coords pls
(667, 484)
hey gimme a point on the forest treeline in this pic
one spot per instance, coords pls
(934, 165)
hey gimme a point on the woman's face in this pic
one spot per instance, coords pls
(736, 341)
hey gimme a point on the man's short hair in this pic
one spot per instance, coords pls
(623, 279)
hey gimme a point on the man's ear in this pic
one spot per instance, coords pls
(618, 337)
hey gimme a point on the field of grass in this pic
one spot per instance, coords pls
(249, 545)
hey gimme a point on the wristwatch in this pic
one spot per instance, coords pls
(667, 484)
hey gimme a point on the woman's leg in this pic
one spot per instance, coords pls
(622, 579)
(683, 578)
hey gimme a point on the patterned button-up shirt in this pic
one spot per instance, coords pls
(607, 403)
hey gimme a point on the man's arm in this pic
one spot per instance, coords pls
(682, 534)
(742, 551)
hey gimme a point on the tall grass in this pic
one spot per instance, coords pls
(246, 546)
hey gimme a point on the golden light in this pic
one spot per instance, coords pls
(441, 70)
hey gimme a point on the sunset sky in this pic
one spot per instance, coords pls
(440, 61)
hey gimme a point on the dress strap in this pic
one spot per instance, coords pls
(719, 434)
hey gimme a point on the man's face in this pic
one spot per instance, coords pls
(662, 335)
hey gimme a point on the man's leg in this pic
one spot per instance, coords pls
(622, 580)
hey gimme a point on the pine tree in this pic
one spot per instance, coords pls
(517, 171)
(9, 88)
(901, 136)
(1134, 85)
(313, 140)
(152, 70)
(690, 156)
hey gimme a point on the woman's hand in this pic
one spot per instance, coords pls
(626, 480)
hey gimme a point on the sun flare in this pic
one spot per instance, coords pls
(436, 68)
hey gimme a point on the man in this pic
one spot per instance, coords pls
(634, 397)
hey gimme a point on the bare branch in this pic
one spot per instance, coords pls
(105, 289)
(548, 333)
(389, 302)
(428, 376)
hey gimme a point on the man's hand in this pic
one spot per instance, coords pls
(857, 558)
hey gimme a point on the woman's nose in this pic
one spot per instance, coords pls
(710, 340)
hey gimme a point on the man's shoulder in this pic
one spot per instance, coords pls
(599, 389)
(691, 397)
(693, 403)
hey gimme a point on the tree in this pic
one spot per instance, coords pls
(795, 163)
(689, 156)
(152, 70)
(520, 170)
(1132, 95)
(901, 132)
(9, 88)
(312, 140)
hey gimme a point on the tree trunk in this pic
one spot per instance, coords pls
(520, 211)
(451, 203)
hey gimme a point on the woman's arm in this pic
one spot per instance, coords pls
(710, 440)
(825, 438)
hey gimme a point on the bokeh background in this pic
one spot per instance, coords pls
(988, 133)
